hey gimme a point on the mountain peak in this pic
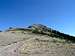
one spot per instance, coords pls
(37, 25)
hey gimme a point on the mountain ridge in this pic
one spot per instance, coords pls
(41, 29)
(35, 40)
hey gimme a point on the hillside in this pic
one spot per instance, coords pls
(36, 40)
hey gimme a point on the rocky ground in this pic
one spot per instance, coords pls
(29, 44)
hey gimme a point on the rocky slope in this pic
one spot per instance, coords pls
(36, 40)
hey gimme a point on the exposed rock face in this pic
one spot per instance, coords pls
(31, 44)
(40, 27)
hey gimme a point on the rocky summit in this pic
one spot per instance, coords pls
(36, 40)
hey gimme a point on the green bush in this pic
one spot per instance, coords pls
(35, 31)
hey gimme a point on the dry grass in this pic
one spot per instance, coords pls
(29, 44)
